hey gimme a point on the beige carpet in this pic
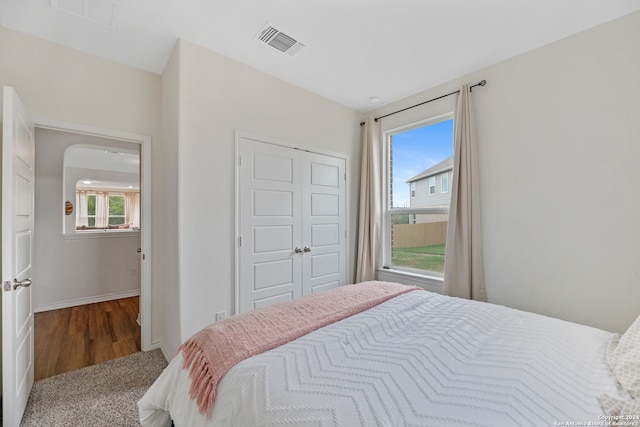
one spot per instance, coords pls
(100, 395)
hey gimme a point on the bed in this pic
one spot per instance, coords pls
(416, 359)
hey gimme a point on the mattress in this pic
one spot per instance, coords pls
(419, 359)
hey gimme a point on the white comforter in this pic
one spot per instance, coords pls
(420, 359)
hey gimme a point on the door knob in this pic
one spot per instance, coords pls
(307, 249)
(24, 283)
(138, 250)
(297, 249)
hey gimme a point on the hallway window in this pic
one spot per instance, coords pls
(107, 210)
(101, 188)
(115, 209)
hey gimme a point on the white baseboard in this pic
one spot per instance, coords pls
(86, 300)
(166, 354)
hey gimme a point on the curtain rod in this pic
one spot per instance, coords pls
(482, 83)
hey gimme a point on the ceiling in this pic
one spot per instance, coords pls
(125, 163)
(355, 50)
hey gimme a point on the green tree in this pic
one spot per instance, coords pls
(91, 210)
(116, 210)
(116, 205)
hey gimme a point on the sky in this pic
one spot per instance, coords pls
(415, 151)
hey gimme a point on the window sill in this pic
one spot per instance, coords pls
(100, 234)
(429, 283)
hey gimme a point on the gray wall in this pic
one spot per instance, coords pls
(76, 271)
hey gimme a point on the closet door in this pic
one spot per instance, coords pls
(290, 222)
(323, 223)
(270, 205)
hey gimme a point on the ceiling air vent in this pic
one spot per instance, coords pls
(102, 12)
(279, 40)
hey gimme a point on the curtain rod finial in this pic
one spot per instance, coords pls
(482, 83)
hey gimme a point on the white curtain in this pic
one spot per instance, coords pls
(370, 212)
(102, 209)
(132, 209)
(463, 273)
(81, 209)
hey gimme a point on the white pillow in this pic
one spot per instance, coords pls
(616, 407)
(623, 356)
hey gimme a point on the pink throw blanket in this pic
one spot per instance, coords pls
(210, 353)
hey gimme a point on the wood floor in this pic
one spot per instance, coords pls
(75, 337)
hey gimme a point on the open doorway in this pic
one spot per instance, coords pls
(90, 270)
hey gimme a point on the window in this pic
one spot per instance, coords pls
(116, 210)
(417, 226)
(444, 180)
(107, 210)
(91, 210)
(101, 189)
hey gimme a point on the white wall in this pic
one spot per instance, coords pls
(166, 272)
(558, 136)
(216, 97)
(59, 83)
(75, 271)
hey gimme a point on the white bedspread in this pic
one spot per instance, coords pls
(420, 359)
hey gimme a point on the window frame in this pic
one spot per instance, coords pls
(93, 230)
(432, 185)
(94, 213)
(124, 202)
(427, 278)
(442, 181)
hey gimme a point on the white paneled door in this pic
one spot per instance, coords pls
(17, 238)
(323, 223)
(291, 223)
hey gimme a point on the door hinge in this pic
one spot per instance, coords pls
(239, 160)
(7, 286)
(240, 241)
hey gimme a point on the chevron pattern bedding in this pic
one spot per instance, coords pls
(419, 359)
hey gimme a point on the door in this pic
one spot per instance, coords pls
(271, 234)
(291, 223)
(17, 239)
(323, 223)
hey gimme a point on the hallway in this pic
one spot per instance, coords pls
(72, 338)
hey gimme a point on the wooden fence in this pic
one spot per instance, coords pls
(421, 234)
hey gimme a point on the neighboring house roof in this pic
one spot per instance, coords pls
(438, 168)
